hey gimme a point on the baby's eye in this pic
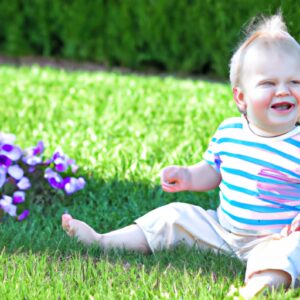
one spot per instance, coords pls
(267, 83)
(295, 81)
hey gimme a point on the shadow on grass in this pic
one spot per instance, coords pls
(108, 205)
(180, 258)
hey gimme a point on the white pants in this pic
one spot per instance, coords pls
(169, 225)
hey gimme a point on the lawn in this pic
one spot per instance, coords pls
(121, 129)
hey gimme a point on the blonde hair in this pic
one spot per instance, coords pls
(271, 30)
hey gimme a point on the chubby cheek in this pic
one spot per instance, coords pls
(298, 113)
(257, 113)
(261, 98)
(297, 96)
(258, 107)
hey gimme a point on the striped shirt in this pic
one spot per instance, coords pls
(260, 187)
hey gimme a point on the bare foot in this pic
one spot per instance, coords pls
(75, 228)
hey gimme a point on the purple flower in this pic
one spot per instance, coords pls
(32, 160)
(23, 215)
(7, 206)
(36, 150)
(39, 149)
(72, 185)
(18, 197)
(80, 183)
(12, 152)
(62, 162)
(11, 172)
(24, 183)
(30, 154)
(57, 154)
(54, 179)
(5, 161)
(15, 172)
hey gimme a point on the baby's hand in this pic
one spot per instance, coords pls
(175, 179)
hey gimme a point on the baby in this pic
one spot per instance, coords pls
(253, 159)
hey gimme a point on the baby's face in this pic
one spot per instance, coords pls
(270, 89)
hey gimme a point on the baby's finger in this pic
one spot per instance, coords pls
(169, 188)
(170, 179)
(168, 173)
(171, 182)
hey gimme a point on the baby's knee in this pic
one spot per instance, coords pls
(173, 211)
(176, 206)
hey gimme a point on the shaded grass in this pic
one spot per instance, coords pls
(126, 276)
(122, 130)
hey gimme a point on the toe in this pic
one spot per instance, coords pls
(65, 219)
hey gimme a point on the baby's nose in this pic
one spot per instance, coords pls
(282, 91)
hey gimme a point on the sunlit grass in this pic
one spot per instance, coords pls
(122, 130)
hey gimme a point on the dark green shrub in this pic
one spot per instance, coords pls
(190, 36)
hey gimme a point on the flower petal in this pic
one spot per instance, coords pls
(23, 215)
(24, 184)
(58, 153)
(32, 160)
(70, 187)
(7, 206)
(15, 172)
(73, 185)
(54, 179)
(39, 148)
(33, 151)
(18, 197)
(60, 164)
(81, 183)
(7, 199)
(49, 173)
(11, 151)
(5, 161)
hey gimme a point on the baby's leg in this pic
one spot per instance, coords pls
(272, 264)
(130, 237)
(268, 279)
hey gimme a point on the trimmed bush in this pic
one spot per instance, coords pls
(189, 36)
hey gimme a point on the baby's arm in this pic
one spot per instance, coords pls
(199, 177)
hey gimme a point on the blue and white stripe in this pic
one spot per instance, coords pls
(260, 188)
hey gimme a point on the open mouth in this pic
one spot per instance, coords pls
(282, 106)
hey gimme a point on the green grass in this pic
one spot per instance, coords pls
(122, 130)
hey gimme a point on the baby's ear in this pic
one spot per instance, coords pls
(239, 99)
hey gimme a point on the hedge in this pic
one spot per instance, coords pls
(189, 36)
